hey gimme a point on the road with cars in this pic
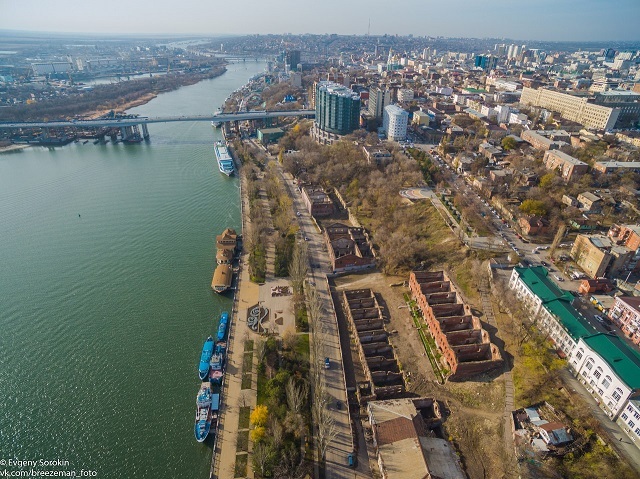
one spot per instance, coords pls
(331, 363)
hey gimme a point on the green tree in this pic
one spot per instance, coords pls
(509, 143)
(547, 180)
(533, 207)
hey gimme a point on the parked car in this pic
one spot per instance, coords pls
(599, 318)
(327, 363)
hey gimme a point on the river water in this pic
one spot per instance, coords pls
(106, 258)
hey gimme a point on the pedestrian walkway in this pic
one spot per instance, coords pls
(509, 391)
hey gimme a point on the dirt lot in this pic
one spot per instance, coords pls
(475, 408)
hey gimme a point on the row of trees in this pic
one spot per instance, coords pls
(280, 426)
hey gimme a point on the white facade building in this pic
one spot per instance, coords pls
(394, 122)
(502, 113)
(405, 95)
(609, 369)
(629, 420)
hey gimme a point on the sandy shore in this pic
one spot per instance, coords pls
(9, 148)
(146, 98)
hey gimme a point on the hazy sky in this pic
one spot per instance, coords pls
(518, 19)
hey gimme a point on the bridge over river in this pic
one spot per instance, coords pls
(129, 127)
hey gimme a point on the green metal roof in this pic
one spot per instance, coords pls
(623, 359)
(556, 300)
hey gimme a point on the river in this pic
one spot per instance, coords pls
(106, 255)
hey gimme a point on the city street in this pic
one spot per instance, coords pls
(339, 449)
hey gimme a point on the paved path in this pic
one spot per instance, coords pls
(509, 391)
(342, 445)
(618, 440)
(233, 397)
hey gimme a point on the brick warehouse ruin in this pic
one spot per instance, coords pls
(377, 356)
(465, 346)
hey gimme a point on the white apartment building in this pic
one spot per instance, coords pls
(502, 113)
(405, 95)
(394, 122)
(629, 420)
(549, 306)
(609, 369)
(571, 107)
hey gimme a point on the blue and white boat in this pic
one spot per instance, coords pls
(222, 328)
(225, 162)
(202, 424)
(205, 357)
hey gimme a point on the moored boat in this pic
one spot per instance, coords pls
(202, 424)
(225, 162)
(205, 357)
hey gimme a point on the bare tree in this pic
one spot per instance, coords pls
(261, 349)
(262, 454)
(557, 238)
(299, 266)
(289, 339)
(277, 432)
(296, 395)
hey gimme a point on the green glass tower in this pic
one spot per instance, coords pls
(337, 108)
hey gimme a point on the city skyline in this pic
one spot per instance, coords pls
(570, 20)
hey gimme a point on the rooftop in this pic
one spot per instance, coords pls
(338, 89)
(564, 157)
(556, 300)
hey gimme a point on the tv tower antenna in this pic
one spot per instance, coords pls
(369, 27)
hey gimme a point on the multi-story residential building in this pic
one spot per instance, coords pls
(379, 98)
(546, 139)
(465, 346)
(572, 107)
(590, 202)
(627, 235)
(405, 95)
(599, 256)
(616, 166)
(629, 420)
(570, 168)
(550, 307)
(609, 369)
(625, 313)
(395, 122)
(337, 112)
(317, 201)
(292, 59)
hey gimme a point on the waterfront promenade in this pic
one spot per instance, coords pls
(246, 295)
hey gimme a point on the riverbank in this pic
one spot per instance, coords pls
(143, 100)
(223, 461)
(112, 97)
(10, 148)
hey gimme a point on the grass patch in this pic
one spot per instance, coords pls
(302, 319)
(247, 380)
(302, 348)
(242, 443)
(240, 469)
(248, 345)
(243, 417)
(427, 341)
(262, 381)
(247, 362)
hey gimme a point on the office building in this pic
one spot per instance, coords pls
(379, 98)
(395, 122)
(292, 59)
(571, 107)
(486, 62)
(337, 112)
